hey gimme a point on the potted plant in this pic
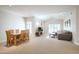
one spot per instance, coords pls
(39, 31)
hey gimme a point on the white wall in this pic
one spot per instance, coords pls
(53, 21)
(9, 21)
(68, 28)
(76, 27)
(74, 24)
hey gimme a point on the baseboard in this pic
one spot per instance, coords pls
(76, 43)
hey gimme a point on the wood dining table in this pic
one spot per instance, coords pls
(16, 35)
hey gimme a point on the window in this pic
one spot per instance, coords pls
(54, 28)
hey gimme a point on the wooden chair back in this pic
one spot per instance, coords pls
(10, 37)
(17, 31)
(24, 35)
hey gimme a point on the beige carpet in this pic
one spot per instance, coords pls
(42, 45)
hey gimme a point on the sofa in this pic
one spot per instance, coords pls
(66, 35)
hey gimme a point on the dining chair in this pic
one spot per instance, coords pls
(17, 36)
(17, 30)
(10, 38)
(24, 35)
(11, 31)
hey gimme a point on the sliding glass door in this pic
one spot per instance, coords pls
(54, 28)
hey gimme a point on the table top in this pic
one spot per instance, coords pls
(16, 33)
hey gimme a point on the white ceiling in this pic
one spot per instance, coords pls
(39, 11)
